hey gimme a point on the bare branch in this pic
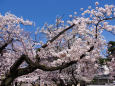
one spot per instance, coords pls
(101, 21)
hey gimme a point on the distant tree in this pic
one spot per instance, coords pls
(111, 56)
(111, 48)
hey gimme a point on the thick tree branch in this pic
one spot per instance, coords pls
(30, 69)
(61, 33)
(17, 63)
(25, 71)
(45, 68)
(33, 66)
(29, 61)
(54, 38)
(83, 55)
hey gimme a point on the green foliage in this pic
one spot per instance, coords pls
(111, 48)
(102, 61)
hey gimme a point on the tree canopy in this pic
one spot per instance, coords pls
(77, 42)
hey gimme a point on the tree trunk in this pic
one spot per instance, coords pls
(7, 81)
(83, 83)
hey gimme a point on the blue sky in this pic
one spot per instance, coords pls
(41, 11)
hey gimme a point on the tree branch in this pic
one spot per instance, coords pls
(5, 45)
(33, 66)
(44, 68)
(101, 21)
(54, 38)
(83, 55)
(17, 63)
(24, 71)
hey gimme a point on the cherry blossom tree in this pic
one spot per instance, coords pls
(77, 41)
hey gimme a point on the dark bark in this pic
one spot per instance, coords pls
(45, 68)
(7, 81)
(75, 82)
(12, 74)
(17, 63)
(82, 83)
(33, 84)
(58, 82)
(16, 84)
(61, 83)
